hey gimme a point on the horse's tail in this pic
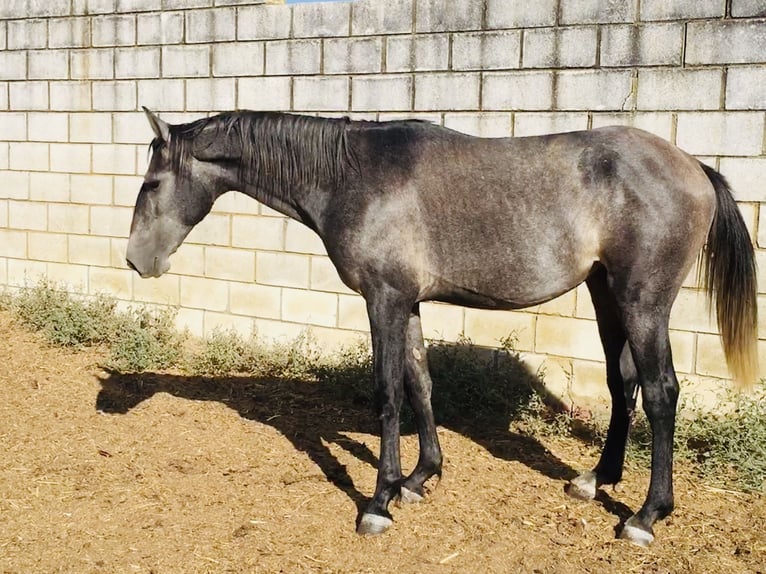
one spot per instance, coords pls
(729, 276)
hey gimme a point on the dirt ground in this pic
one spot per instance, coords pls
(162, 473)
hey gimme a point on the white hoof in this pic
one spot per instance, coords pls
(636, 535)
(583, 487)
(373, 524)
(408, 496)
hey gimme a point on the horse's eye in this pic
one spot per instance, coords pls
(151, 185)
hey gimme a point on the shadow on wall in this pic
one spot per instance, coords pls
(477, 393)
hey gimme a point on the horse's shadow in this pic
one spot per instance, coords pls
(313, 414)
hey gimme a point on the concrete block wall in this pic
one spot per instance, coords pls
(73, 142)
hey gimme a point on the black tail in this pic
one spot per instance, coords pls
(729, 276)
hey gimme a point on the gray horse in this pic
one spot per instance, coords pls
(411, 212)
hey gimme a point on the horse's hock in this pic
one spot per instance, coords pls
(73, 78)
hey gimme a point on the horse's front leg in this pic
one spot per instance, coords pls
(389, 311)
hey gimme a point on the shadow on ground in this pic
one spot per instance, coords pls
(477, 393)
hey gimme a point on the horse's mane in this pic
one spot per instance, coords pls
(274, 151)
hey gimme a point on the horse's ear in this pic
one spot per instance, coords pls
(214, 144)
(161, 129)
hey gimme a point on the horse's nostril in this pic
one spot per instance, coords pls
(130, 264)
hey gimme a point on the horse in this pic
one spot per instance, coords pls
(409, 212)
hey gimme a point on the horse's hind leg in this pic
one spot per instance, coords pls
(417, 386)
(621, 380)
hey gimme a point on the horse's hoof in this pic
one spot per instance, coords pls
(373, 524)
(583, 487)
(637, 534)
(407, 496)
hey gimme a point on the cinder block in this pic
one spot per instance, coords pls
(227, 263)
(711, 360)
(560, 47)
(458, 91)
(762, 228)
(160, 28)
(67, 218)
(594, 90)
(3, 155)
(645, 45)
(69, 33)
(321, 20)
(95, 64)
(253, 232)
(445, 15)
(293, 57)
(747, 8)
(185, 61)
(27, 34)
(567, 337)
(310, 307)
(504, 14)
(89, 250)
(210, 94)
(324, 277)
(690, 313)
(352, 56)
(114, 96)
(13, 126)
(282, 269)
(517, 91)
(28, 95)
(681, 10)
(70, 96)
(301, 239)
(110, 221)
(658, 123)
(15, 184)
(217, 25)
(25, 156)
(191, 320)
(482, 124)
(27, 215)
(3, 213)
(91, 189)
(489, 328)
(161, 95)
(596, 12)
(188, 260)
(163, 290)
(47, 64)
(34, 9)
(719, 133)
(263, 22)
(237, 203)
(13, 65)
(126, 189)
(240, 59)
(725, 42)
(678, 89)
(268, 94)
(541, 123)
(744, 88)
(381, 93)
(255, 300)
(73, 277)
(393, 17)
(114, 30)
(486, 50)
(50, 187)
(4, 96)
(215, 229)
(216, 322)
(3, 40)
(70, 158)
(417, 53)
(279, 332)
(562, 306)
(321, 93)
(22, 273)
(13, 243)
(117, 282)
(114, 159)
(682, 344)
(588, 386)
(442, 322)
(204, 293)
(90, 128)
(746, 177)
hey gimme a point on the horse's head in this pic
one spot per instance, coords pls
(178, 191)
